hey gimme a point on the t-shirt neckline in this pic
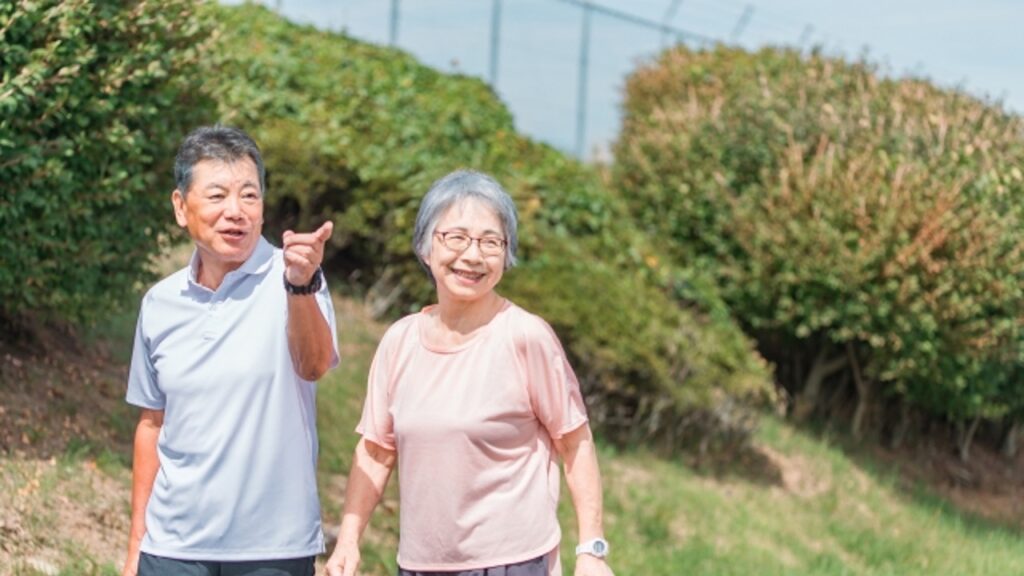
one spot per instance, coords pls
(479, 335)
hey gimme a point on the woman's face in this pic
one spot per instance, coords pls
(468, 274)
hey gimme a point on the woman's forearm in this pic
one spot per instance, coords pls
(583, 476)
(371, 469)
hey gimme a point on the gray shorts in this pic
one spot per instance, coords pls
(536, 567)
(150, 565)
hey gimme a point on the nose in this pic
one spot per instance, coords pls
(473, 252)
(232, 207)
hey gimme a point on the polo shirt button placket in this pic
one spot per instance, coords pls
(211, 322)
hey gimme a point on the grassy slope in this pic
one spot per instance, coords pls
(808, 509)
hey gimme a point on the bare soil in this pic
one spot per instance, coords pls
(65, 442)
(989, 486)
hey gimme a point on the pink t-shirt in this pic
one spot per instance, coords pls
(473, 425)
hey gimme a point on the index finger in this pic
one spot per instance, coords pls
(320, 236)
(325, 231)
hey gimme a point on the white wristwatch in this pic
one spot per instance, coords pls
(597, 547)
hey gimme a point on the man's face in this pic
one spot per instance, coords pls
(223, 212)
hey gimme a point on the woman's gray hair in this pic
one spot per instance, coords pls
(453, 189)
(217, 142)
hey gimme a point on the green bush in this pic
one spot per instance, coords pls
(357, 133)
(861, 227)
(94, 97)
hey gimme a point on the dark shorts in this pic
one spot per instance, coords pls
(536, 567)
(150, 565)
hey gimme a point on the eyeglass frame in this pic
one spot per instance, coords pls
(503, 243)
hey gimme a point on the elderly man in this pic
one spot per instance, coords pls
(223, 368)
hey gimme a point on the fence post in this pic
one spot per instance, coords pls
(805, 36)
(666, 21)
(741, 24)
(495, 40)
(393, 33)
(581, 94)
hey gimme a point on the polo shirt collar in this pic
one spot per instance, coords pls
(261, 259)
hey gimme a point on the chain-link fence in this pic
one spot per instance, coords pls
(559, 65)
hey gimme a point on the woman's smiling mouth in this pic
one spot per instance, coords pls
(467, 275)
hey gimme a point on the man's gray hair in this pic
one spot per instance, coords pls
(218, 142)
(453, 189)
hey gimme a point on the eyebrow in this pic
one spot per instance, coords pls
(219, 186)
(487, 232)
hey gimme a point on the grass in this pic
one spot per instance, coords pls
(819, 510)
(826, 514)
(56, 513)
(339, 403)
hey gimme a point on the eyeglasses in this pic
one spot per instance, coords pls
(460, 241)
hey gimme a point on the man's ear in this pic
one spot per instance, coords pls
(178, 201)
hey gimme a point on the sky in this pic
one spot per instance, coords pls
(974, 45)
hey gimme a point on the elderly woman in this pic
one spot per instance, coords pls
(475, 400)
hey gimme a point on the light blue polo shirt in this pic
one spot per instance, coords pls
(238, 446)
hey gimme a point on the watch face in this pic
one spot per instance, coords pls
(599, 547)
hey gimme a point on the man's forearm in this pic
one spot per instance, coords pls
(310, 341)
(145, 465)
(309, 337)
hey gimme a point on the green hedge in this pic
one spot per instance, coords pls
(94, 96)
(867, 230)
(357, 133)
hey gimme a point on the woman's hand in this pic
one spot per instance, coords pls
(344, 561)
(587, 565)
(371, 467)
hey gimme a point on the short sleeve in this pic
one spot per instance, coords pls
(552, 385)
(376, 423)
(143, 388)
(323, 300)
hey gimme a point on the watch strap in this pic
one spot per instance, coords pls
(597, 547)
(315, 283)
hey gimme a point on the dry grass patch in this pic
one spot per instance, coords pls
(60, 516)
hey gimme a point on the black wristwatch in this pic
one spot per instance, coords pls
(314, 284)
